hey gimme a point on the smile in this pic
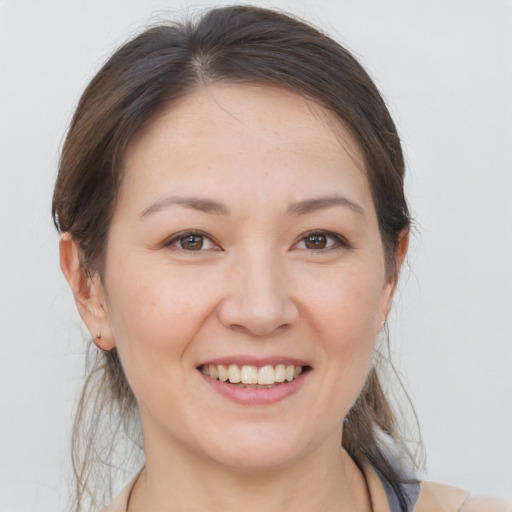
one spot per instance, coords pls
(253, 376)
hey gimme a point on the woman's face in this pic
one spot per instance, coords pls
(245, 246)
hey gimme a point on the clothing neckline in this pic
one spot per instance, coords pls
(382, 496)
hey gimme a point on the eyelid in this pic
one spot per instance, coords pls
(340, 241)
(172, 241)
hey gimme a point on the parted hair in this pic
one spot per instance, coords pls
(236, 44)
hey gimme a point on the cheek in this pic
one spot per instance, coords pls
(153, 325)
(346, 306)
(345, 318)
(154, 316)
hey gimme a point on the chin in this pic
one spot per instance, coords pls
(257, 448)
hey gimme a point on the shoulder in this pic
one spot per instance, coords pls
(444, 498)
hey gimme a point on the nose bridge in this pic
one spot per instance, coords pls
(258, 298)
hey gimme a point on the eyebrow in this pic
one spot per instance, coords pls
(194, 203)
(321, 203)
(210, 206)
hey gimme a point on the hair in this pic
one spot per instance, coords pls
(236, 45)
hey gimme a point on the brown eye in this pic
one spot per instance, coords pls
(320, 241)
(317, 241)
(192, 242)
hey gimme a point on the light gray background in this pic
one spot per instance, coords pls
(445, 68)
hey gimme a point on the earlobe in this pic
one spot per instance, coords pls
(87, 292)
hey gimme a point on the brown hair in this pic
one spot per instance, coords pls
(237, 44)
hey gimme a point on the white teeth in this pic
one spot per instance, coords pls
(223, 373)
(264, 375)
(249, 375)
(280, 373)
(214, 373)
(234, 374)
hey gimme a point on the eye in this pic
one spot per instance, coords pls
(318, 240)
(191, 241)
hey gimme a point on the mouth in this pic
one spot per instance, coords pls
(254, 377)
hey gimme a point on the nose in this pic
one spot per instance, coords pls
(258, 299)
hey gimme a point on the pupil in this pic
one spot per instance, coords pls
(192, 242)
(316, 242)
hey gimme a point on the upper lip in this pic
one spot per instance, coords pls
(244, 360)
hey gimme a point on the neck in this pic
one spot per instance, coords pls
(326, 480)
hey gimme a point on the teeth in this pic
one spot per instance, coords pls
(264, 375)
(234, 374)
(280, 373)
(214, 373)
(223, 373)
(249, 374)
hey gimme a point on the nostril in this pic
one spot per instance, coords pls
(245, 317)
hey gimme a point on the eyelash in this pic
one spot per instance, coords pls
(177, 238)
(338, 242)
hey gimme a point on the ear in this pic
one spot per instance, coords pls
(87, 292)
(401, 251)
(390, 287)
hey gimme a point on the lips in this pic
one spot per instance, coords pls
(255, 382)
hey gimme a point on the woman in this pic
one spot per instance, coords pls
(230, 197)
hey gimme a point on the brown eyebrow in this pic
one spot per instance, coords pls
(210, 206)
(194, 203)
(320, 203)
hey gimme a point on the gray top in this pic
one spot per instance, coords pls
(411, 492)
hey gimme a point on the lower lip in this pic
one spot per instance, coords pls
(255, 396)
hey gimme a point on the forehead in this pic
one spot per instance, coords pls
(264, 110)
(241, 135)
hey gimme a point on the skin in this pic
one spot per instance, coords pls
(255, 289)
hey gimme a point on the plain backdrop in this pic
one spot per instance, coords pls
(445, 69)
